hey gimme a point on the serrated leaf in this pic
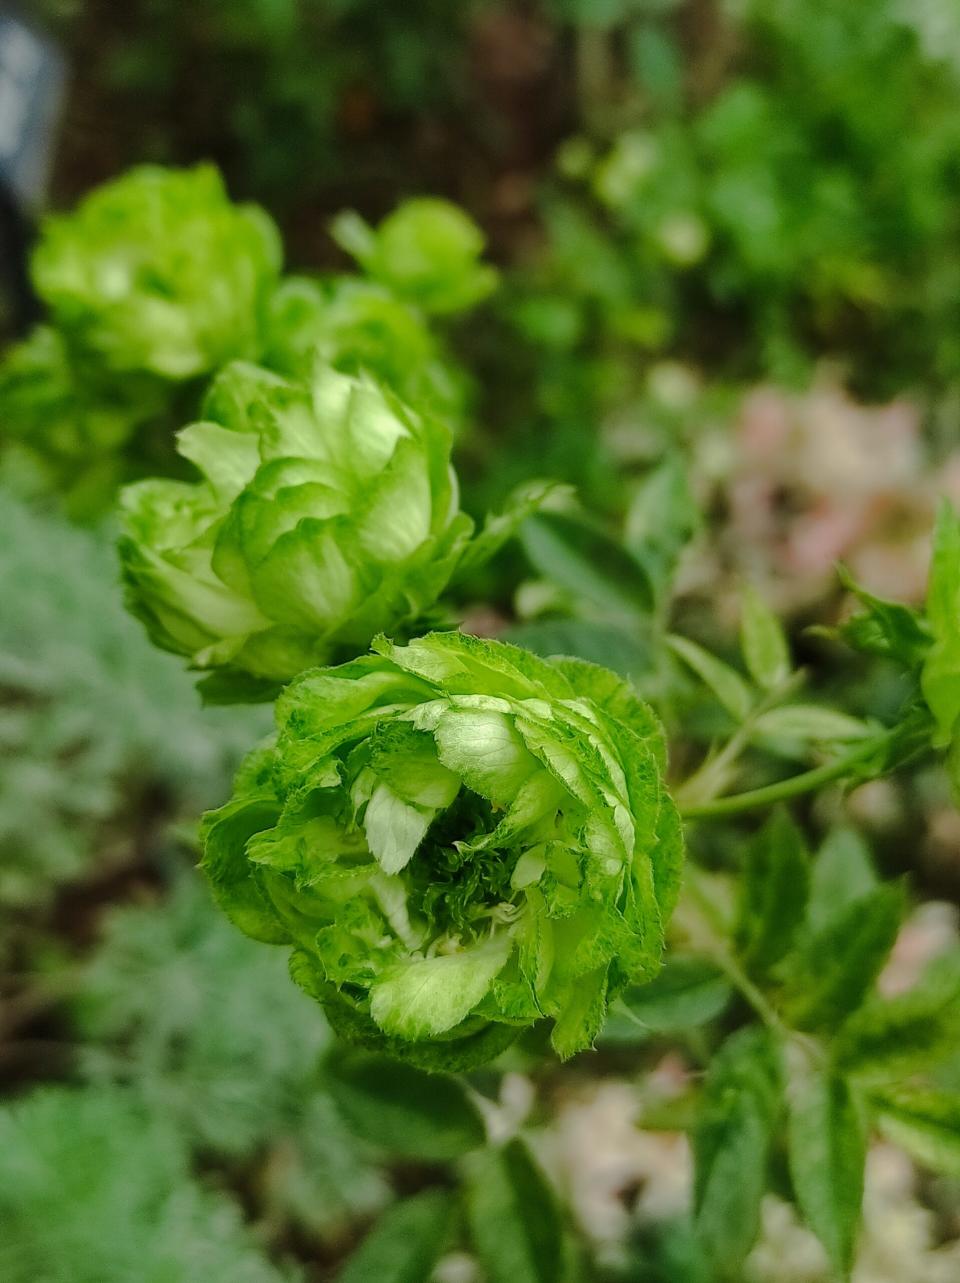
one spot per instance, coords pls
(773, 893)
(925, 1123)
(596, 569)
(514, 1221)
(406, 1242)
(403, 1110)
(885, 628)
(811, 722)
(842, 871)
(940, 678)
(833, 970)
(687, 993)
(827, 1141)
(726, 683)
(732, 1146)
(763, 642)
(891, 1038)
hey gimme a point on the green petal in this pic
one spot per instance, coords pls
(421, 999)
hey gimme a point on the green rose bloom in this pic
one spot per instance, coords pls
(457, 839)
(328, 512)
(159, 271)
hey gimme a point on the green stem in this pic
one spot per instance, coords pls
(713, 768)
(795, 786)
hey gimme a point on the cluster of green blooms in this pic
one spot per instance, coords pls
(328, 512)
(457, 839)
(422, 261)
(157, 280)
(153, 280)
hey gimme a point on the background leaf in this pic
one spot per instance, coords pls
(731, 1146)
(925, 1123)
(687, 992)
(596, 569)
(763, 642)
(827, 1148)
(833, 969)
(810, 722)
(402, 1109)
(725, 682)
(887, 1039)
(405, 1243)
(514, 1221)
(773, 892)
(842, 871)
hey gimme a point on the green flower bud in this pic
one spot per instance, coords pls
(426, 252)
(360, 327)
(159, 271)
(328, 512)
(457, 839)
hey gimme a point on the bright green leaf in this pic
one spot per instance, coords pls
(428, 996)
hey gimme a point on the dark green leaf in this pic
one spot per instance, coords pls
(589, 564)
(763, 643)
(833, 970)
(515, 1224)
(688, 992)
(405, 1244)
(827, 1148)
(403, 1109)
(892, 1038)
(618, 648)
(732, 1146)
(925, 1123)
(773, 893)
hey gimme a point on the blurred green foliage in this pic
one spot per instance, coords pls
(97, 726)
(94, 1188)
